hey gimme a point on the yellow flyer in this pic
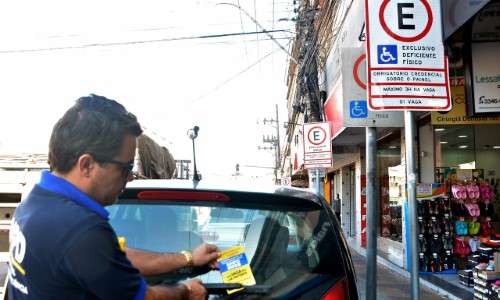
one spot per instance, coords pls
(234, 268)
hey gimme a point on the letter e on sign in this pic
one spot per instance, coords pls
(408, 16)
(316, 135)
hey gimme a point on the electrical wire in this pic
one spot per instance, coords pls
(138, 42)
(231, 78)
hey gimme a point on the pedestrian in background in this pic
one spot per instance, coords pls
(336, 207)
(61, 243)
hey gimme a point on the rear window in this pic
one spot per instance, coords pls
(284, 246)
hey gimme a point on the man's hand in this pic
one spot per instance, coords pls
(196, 290)
(189, 290)
(206, 254)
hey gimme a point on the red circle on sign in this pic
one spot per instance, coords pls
(402, 38)
(355, 71)
(324, 135)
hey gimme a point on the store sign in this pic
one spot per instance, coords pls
(355, 103)
(458, 114)
(486, 25)
(407, 68)
(457, 12)
(430, 190)
(486, 77)
(317, 145)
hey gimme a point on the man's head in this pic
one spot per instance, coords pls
(94, 136)
(94, 124)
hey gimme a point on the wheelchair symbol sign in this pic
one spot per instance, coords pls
(387, 54)
(358, 109)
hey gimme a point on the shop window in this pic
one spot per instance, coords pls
(455, 146)
(391, 176)
(468, 154)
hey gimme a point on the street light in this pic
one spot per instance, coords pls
(193, 134)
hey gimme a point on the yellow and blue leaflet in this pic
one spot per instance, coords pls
(234, 268)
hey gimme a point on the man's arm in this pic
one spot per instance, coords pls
(150, 263)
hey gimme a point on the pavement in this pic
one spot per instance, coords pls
(394, 282)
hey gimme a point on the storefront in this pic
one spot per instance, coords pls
(446, 142)
(465, 138)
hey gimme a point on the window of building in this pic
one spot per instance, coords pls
(391, 178)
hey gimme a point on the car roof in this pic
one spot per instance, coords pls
(246, 189)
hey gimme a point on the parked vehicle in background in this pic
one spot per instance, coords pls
(290, 237)
(225, 228)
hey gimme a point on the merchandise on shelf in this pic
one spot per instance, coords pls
(435, 239)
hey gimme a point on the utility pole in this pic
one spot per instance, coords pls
(275, 143)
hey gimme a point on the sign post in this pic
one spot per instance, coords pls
(407, 70)
(317, 148)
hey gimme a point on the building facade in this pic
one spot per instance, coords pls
(455, 147)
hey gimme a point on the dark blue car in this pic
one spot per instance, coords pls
(291, 239)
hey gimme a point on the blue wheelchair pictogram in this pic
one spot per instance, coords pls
(387, 54)
(358, 109)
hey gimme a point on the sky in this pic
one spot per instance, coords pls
(174, 64)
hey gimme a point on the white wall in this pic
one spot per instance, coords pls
(426, 153)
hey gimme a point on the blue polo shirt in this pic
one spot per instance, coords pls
(62, 247)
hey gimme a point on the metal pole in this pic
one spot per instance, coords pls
(317, 182)
(193, 134)
(412, 204)
(371, 226)
(195, 175)
(278, 148)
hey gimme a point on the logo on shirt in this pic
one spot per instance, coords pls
(17, 251)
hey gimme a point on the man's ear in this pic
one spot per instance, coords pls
(85, 164)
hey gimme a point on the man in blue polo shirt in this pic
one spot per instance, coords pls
(61, 243)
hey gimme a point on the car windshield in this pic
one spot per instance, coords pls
(285, 246)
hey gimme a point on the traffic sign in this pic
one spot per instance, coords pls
(355, 104)
(407, 68)
(286, 181)
(317, 145)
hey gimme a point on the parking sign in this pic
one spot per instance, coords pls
(317, 145)
(407, 68)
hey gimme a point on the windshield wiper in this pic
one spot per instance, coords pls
(221, 288)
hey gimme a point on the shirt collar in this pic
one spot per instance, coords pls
(59, 185)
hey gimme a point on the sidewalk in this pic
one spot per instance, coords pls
(394, 282)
